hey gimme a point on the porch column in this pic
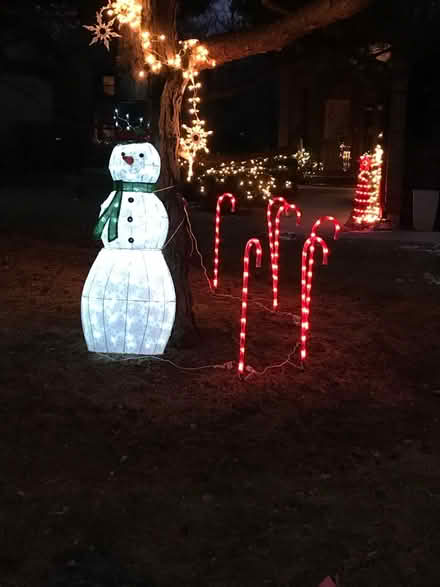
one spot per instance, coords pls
(395, 177)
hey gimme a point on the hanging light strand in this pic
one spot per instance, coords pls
(191, 52)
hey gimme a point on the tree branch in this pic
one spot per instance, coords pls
(269, 4)
(242, 89)
(275, 36)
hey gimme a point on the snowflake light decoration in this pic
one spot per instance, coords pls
(196, 140)
(103, 32)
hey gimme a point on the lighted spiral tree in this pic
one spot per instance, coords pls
(367, 211)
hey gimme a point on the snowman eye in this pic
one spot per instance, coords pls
(141, 154)
(123, 154)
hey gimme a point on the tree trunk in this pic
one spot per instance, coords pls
(177, 254)
(169, 128)
(177, 250)
(160, 18)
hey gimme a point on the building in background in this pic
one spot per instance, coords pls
(332, 108)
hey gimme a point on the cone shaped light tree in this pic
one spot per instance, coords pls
(159, 19)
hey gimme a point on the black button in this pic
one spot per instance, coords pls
(131, 200)
(130, 219)
(131, 240)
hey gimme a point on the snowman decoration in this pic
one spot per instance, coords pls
(128, 303)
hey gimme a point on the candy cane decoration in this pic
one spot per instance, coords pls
(323, 219)
(217, 233)
(306, 284)
(274, 239)
(253, 242)
(271, 202)
(276, 248)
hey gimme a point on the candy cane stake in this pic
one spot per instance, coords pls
(270, 204)
(323, 219)
(217, 233)
(253, 242)
(274, 239)
(276, 248)
(306, 285)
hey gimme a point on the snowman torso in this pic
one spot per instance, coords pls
(142, 224)
(128, 302)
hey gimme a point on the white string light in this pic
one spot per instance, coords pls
(190, 56)
(257, 177)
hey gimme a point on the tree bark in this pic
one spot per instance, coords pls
(275, 36)
(177, 254)
(177, 250)
(169, 128)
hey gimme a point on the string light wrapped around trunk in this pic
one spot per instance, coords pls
(188, 59)
(307, 262)
(253, 242)
(274, 239)
(220, 199)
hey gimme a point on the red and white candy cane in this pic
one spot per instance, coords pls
(281, 201)
(274, 239)
(276, 248)
(306, 284)
(217, 233)
(323, 219)
(253, 242)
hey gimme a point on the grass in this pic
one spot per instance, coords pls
(135, 473)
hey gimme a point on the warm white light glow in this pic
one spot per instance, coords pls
(258, 176)
(128, 302)
(129, 12)
(367, 204)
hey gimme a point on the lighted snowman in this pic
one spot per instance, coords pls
(128, 302)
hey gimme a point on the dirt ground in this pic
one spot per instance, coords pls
(133, 472)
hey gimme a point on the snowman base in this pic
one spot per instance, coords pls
(128, 304)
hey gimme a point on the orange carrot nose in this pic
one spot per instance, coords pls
(129, 160)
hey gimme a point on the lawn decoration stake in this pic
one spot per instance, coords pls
(253, 242)
(274, 239)
(128, 302)
(323, 219)
(217, 233)
(276, 246)
(306, 285)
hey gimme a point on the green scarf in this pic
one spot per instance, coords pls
(111, 213)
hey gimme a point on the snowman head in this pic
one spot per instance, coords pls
(135, 162)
